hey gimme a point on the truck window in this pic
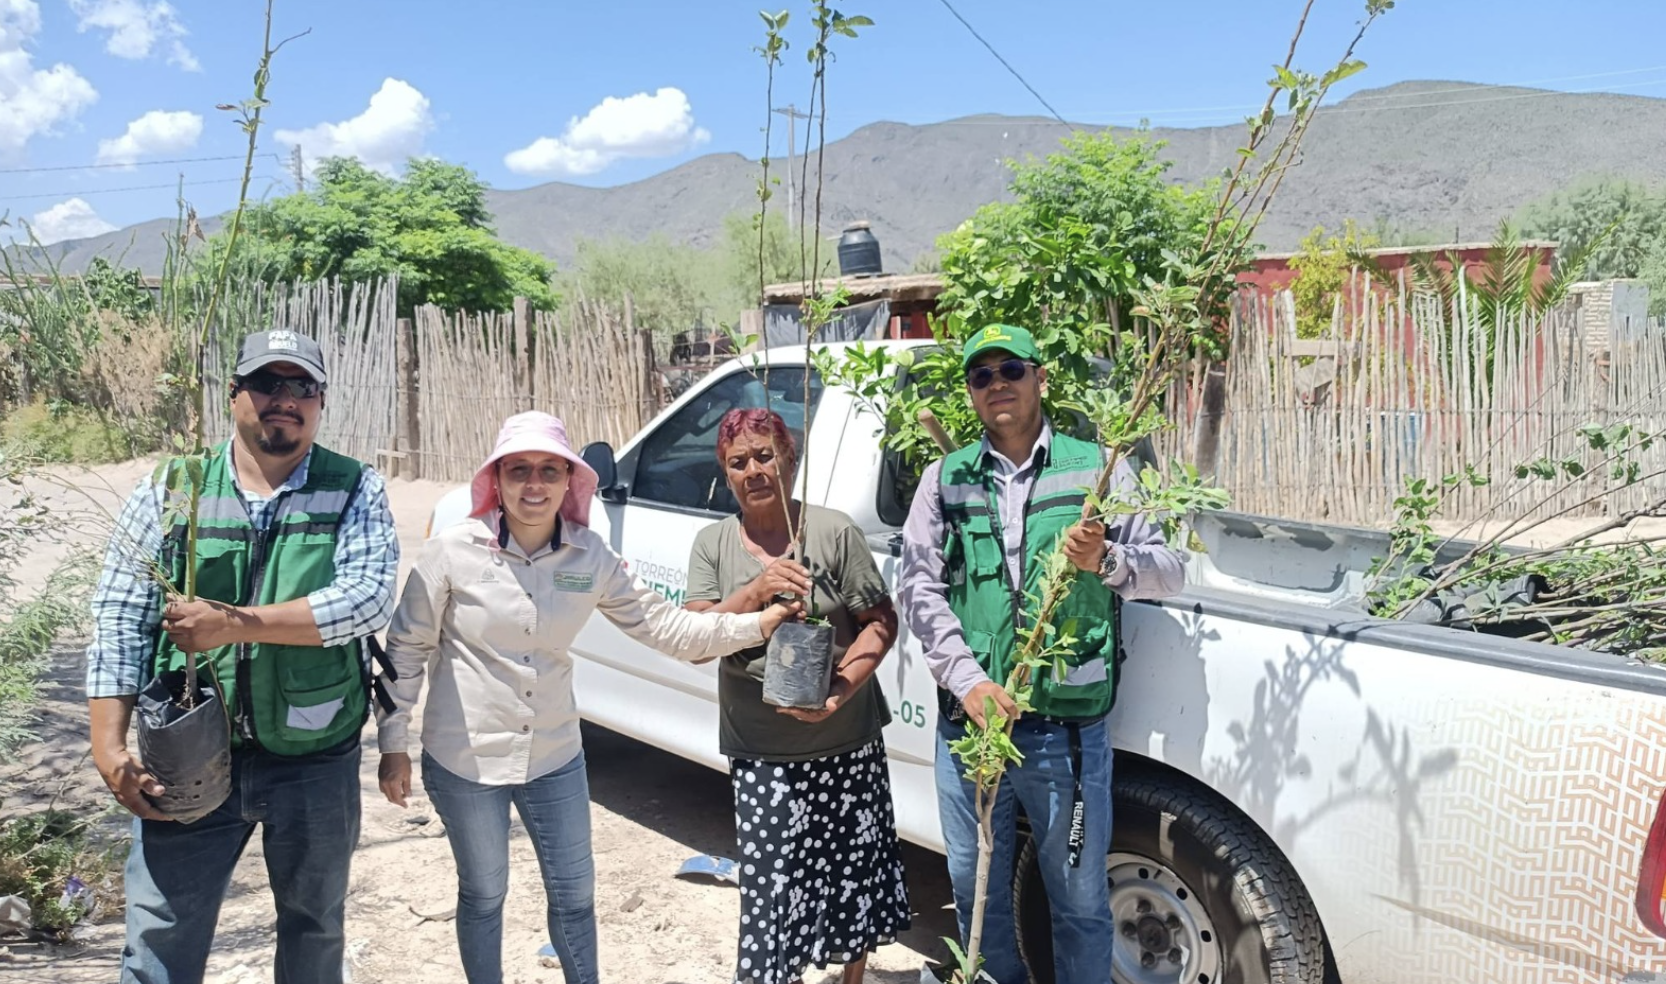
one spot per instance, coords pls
(677, 464)
(898, 476)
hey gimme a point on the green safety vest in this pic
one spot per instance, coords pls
(991, 609)
(288, 700)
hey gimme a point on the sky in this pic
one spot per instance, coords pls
(106, 104)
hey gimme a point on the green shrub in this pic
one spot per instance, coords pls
(40, 853)
(63, 432)
(26, 640)
(53, 860)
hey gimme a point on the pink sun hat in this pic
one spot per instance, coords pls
(535, 432)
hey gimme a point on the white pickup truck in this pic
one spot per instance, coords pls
(1303, 793)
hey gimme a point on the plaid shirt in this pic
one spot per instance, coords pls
(127, 605)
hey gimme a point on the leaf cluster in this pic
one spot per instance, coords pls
(1323, 267)
(430, 228)
(54, 862)
(1614, 228)
(1584, 592)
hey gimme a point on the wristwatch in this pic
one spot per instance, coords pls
(1111, 567)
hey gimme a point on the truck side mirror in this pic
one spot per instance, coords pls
(599, 456)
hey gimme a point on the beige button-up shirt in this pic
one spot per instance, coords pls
(493, 626)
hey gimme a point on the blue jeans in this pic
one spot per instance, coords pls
(308, 810)
(556, 810)
(1083, 932)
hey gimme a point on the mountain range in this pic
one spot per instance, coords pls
(1447, 160)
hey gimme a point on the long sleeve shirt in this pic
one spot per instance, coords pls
(1149, 568)
(127, 603)
(492, 627)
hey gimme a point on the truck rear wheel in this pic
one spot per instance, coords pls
(1198, 893)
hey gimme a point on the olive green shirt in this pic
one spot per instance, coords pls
(846, 581)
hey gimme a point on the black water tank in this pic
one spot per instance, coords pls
(858, 251)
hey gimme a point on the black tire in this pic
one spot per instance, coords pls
(1255, 923)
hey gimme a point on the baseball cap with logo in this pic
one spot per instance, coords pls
(263, 348)
(1003, 338)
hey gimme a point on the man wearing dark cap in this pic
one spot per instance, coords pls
(983, 523)
(296, 561)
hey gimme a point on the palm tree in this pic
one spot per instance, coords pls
(1505, 285)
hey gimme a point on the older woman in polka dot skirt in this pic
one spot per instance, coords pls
(821, 872)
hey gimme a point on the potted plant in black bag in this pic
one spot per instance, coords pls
(799, 660)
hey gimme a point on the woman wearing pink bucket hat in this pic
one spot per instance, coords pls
(490, 609)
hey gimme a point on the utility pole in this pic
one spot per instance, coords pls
(790, 111)
(295, 167)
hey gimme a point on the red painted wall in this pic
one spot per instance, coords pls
(1273, 272)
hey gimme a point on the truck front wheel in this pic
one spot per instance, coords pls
(1199, 895)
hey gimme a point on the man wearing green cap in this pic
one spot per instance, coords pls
(982, 524)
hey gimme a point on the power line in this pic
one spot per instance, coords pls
(1386, 98)
(1503, 97)
(1003, 62)
(1385, 107)
(93, 167)
(81, 192)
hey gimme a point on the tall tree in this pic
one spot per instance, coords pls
(1620, 224)
(741, 242)
(672, 287)
(430, 227)
(1088, 226)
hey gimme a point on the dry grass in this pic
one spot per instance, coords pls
(127, 372)
(122, 406)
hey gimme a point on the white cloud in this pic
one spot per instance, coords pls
(137, 28)
(156, 132)
(642, 125)
(32, 100)
(390, 130)
(73, 219)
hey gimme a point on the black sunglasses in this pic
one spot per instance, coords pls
(1012, 370)
(268, 384)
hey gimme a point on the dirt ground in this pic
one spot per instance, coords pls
(650, 812)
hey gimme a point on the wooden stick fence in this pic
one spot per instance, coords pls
(354, 325)
(423, 397)
(587, 365)
(1401, 387)
(1328, 428)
